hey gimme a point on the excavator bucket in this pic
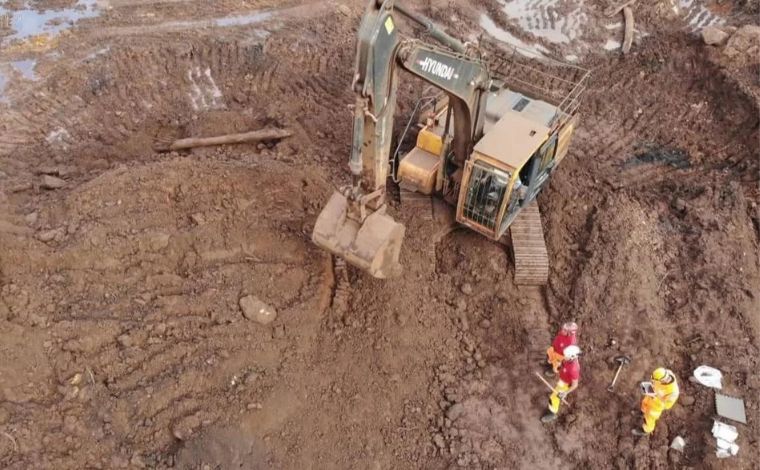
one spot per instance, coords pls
(373, 246)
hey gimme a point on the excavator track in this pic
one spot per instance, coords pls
(529, 248)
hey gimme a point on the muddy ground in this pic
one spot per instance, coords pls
(122, 340)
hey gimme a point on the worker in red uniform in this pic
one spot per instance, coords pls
(569, 375)
(555, 353)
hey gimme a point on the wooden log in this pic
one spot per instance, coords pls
(628, 36)
(612, 11)
(253, 136)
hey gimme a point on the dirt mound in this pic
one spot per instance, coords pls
(137, 336)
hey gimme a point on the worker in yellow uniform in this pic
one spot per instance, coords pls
(663, 396)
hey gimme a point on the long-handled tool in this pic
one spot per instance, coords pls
(550, 387)
(621, 360)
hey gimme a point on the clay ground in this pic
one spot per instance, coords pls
(122, 342)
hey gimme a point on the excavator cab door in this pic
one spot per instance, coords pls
(541, 163)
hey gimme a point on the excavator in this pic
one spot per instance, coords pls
(487, 147)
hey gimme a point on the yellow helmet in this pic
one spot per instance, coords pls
(660, 374)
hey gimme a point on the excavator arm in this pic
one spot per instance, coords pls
(354, 224)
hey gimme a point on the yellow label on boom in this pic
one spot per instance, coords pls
(389, 25)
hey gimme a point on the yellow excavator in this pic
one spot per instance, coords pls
(488, 146)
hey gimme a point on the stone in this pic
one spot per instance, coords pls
(125, 341)
(466, 288)
(686, 400)
(279, 332)
(744, 45)
(52, 182)
(158, 241)
(186, 426)
(455, 412)
(713, 36)
(256, 310)
(344, 10)
(50, 235)
(198, 218)
(678, 444)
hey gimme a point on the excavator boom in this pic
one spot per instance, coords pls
(354, 223)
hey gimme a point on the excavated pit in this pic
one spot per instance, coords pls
(123, 343)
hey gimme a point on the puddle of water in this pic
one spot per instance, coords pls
(3, 82)
(26, 67)
(222, 22)
(543, 18)
(29, 22)
(528, 50)
(243, 19)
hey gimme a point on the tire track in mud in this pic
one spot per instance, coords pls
(122, 94)
(173, 352)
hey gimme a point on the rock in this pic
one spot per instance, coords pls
(439, 441)
(52, 182)
(679, 204)
(125, 341)
(744, 45)
(186, 426)
(485, 323)
(466, 288)
(256, 310)
(455, 412)
(461, 305)
(250, 377)
(31, 218)
(198, 218)
(686, 400)
(344, 10)
(678, 444)
(158, 241)
(279, 332)
(50, 235)
(713, 36)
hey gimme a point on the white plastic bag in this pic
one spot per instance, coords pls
(709, 376)
(724, 432)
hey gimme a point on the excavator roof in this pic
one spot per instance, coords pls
(512, 139)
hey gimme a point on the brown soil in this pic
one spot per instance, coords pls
(122, 342)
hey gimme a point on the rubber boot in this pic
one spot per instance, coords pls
(549, 372)
(548, 417)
